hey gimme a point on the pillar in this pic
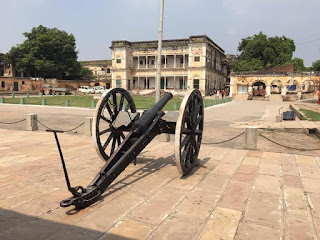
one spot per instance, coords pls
(251, 138)
(31, 122)
(88, 126)
(146, 61)
(174, 61)
(165, 61)
(283, 90)
(174, 82)
(268, 90)
(138, 62)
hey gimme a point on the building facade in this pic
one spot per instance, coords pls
(101, 69)
(196, 62)
(266, 84)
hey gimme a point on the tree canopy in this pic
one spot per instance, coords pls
(259, 52)
(316, 65)
(47, 52)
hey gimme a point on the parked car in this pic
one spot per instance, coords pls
(49, 90)
(86, 89)
(99, 89)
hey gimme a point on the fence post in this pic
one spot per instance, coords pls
(67, 102)
(251, 138)
(93, 104)
(2, 100)
(88, 126)
(28, 95)
(31, 122)
(22, 101)
(175, 106)
(12, 95)
(44, 101)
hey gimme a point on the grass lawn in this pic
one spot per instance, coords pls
(142, 102)
(311, 115)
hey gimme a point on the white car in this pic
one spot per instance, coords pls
(86, 89)
(99, 89)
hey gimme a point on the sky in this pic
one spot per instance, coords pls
(96, 23)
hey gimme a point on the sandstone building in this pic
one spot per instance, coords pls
(287, 85)
(195, 62)
(101, 69)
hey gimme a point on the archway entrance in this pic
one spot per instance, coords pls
(259, 88)
(276, 87)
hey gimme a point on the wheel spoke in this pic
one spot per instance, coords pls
(109, 109)
(105, 119)
(114, 98)
(104, 131)
(184, 154)
(198, 132)
(198, 121)
(107, 141)
(127, 107)
(113, 145)
(187, 119)
(186, 131)
(185, 141)
(122, 135)
(121, 102)
(118, 140)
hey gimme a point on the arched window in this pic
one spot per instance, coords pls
(108, 70)
(308, 86)
(292, 85)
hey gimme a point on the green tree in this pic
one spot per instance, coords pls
(316, 65)
(298, 64)
(268, 51)
(46, 52)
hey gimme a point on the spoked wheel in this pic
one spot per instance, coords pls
(188, 133)
(105, 135)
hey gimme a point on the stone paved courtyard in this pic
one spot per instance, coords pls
(234, 194)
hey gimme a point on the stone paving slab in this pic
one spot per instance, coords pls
(233, 194)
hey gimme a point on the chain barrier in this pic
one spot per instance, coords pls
(224, 141)
(293, 148)
(60, 130)
(13, 122)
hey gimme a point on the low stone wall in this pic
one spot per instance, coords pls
(35, 84)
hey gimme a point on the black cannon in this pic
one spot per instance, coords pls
(120, 134)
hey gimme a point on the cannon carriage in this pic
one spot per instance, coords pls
(120, 133)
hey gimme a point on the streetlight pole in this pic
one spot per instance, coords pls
(158, 76)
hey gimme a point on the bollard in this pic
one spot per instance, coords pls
(2, 100)
(251, 138)
(67, 102)
(22, 101)
(12, 95)
(53, 93)
(31, 122)
(93, 104)
(41, 94)
(75, 93)
(64, 93)
(28, 95)
(88, 126)
(44, 101)
(175, 106)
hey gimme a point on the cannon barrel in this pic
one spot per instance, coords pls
(147, 118)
